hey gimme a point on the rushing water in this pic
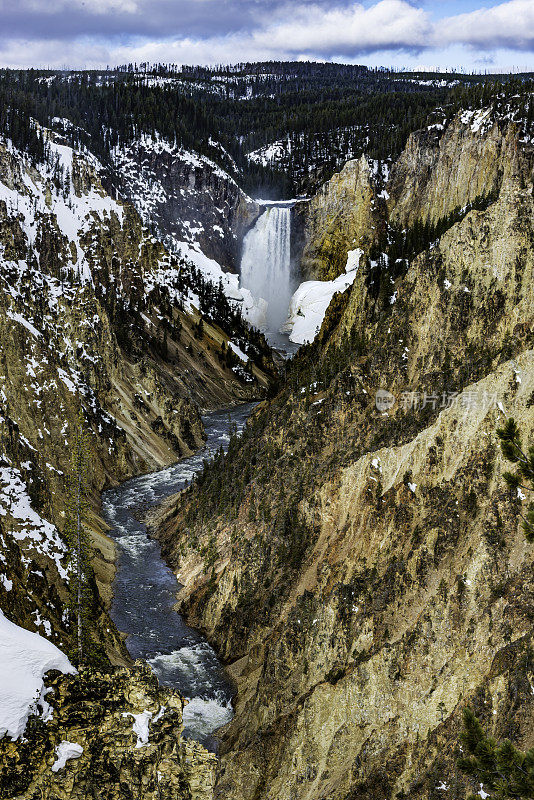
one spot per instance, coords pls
(266, 263)
(145, 589)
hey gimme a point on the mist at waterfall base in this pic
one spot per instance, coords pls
(144, 589)
(266, 268)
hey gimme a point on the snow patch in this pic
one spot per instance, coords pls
(308, 305)
(25, 658)
(64, 752)
(6, 583)
(141, 726)
(478, 121)
(29, 525)
(237, 350)
(16, 317)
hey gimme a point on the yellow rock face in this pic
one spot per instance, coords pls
(435, 175)
(342, 216)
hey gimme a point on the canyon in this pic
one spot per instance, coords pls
(352, 556)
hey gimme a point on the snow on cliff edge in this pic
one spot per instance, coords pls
(25, 658)
(308, 305)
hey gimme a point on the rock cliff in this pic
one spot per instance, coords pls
(444, 171)
(114, 735)
(343, 215)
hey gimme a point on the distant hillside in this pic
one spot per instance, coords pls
(310, 117)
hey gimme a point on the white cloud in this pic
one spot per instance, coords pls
(297, 30)
(22, 53)
(389, 24)
(508, 25)
(302, 30)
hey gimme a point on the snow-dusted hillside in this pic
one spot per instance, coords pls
(97, 317)
(196, 208)
(50, 193)
(193, 203)
(102, 327)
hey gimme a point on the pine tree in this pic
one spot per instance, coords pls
(523, 478)
(501, 769)
(77, 536)
(199, 329)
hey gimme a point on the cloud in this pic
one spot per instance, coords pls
(485, 61)
(120, 19)
(229, 33)
(509, 25)
(94, 33)
(387, 25)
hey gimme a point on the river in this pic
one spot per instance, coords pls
(145, 589)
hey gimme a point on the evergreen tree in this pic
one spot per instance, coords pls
(77, 536)
(501, 769)
(523, 477)
(199, 329)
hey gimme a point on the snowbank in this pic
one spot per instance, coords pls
(25, 658)
(308, 305)
(479, 121)
(141, 725)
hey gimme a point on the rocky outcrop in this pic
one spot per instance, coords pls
(344, 215)
(442, 172)
(121, 733)
(439, 172)
(372, 578)
(188, 197)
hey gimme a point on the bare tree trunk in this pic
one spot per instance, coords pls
(79, 566)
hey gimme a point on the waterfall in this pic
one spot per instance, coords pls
(266, 263)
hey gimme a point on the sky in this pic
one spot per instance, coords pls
(436, 34)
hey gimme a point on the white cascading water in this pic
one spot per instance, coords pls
(266, 263)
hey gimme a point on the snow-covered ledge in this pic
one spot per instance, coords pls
(25, 658)
(65, 751)
(308, 305)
